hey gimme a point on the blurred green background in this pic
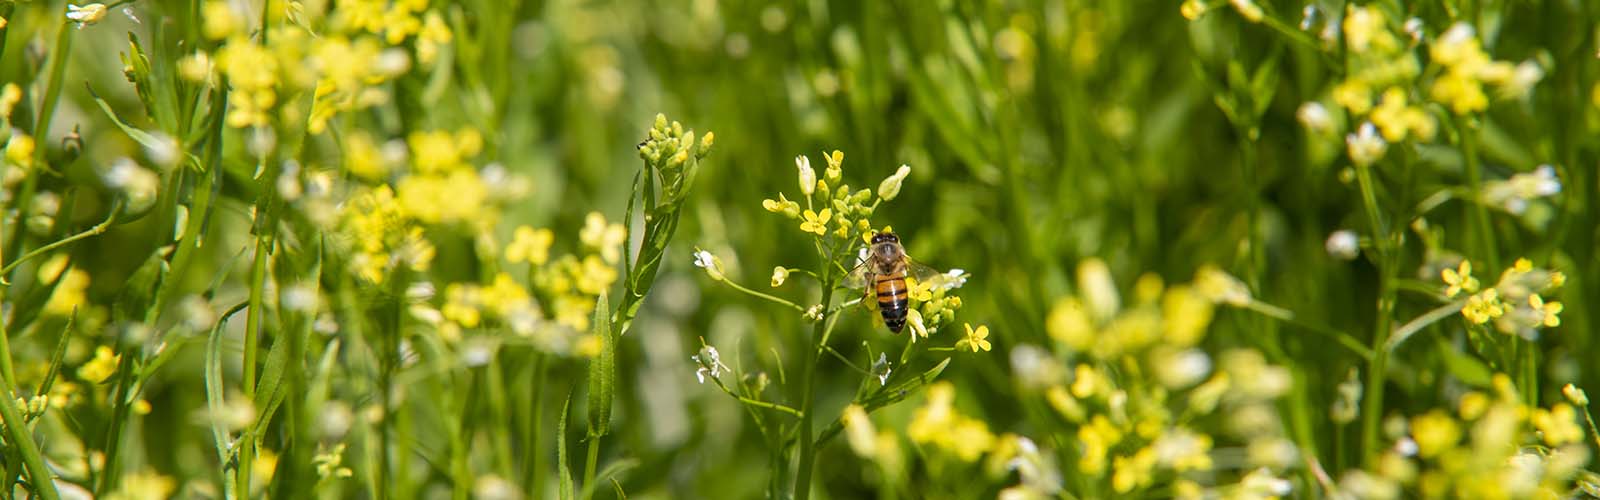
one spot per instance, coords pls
(1040, 134)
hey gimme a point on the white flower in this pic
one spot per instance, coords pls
(138, 183)
(712, 265)
(1522, 80)
(881, 369)
(86, 15)
(1182, 369)
(1309, 16)
(808, 176)
(1315, 117)
(779, 275)
(1406, 446)
(1262, 483)
(955, 278)
(1343, 245)
(1414, 27)
(1366, 147)
(477, 354)
(710, 364)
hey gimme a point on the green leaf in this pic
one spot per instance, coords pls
(562, 468)
(602, 371)
(610, 470)
(139, 291)
(1470, 370)
(145, 139)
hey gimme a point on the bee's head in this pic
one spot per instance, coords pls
(885, 238)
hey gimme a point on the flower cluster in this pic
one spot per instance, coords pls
(1491, 446)
(343, 56)
(1141, 390)
(1514, 304)
(1387, 86)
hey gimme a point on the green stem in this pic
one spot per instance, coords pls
(21, 436)
(1289, 317)
(1372, 404)
(1480, 213)
(98, 229)
(41, 128)
(802, 480)
(770, 298)
(591, 462)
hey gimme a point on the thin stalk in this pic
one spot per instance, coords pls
(1372, 403)
(591, 462)
(1480, 213)
(769, 298)
(1288, 316)
(808, 450)
(534, 467)
(21, 436)
(41, 128)
(98, 229)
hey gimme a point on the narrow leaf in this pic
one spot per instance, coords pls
(602, 371)
(564, 470)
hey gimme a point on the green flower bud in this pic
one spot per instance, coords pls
(890, 187)
(861, 196)
(661, 121)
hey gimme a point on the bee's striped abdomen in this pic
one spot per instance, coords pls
(891, 292)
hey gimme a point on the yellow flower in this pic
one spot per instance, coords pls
(1354, 95)
(594, 276)
(977, 340)
(1558, 425)
(1364, 29)
(19, 150)
(433, 35)
(859, 431)
(1185, 314)
(220, 21)
(71, 291)
(607, 238)
(102, 367)
(363, 158)
(456, 197)
(504, 295)
(1460, 91)
(86, 15)
(1069, 322)
(1434, 432)
(1192, 9)
(461, 305)
(1549, 311)
(1395, 119)
(783, 206)
(530, 245)
(816, 223)
(434, 151)
(1459, 279)
(144, 485)
(1483, 307)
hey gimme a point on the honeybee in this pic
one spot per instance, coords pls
(882, 275)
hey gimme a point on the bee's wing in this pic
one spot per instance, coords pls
(858, 277)
(925, 273)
